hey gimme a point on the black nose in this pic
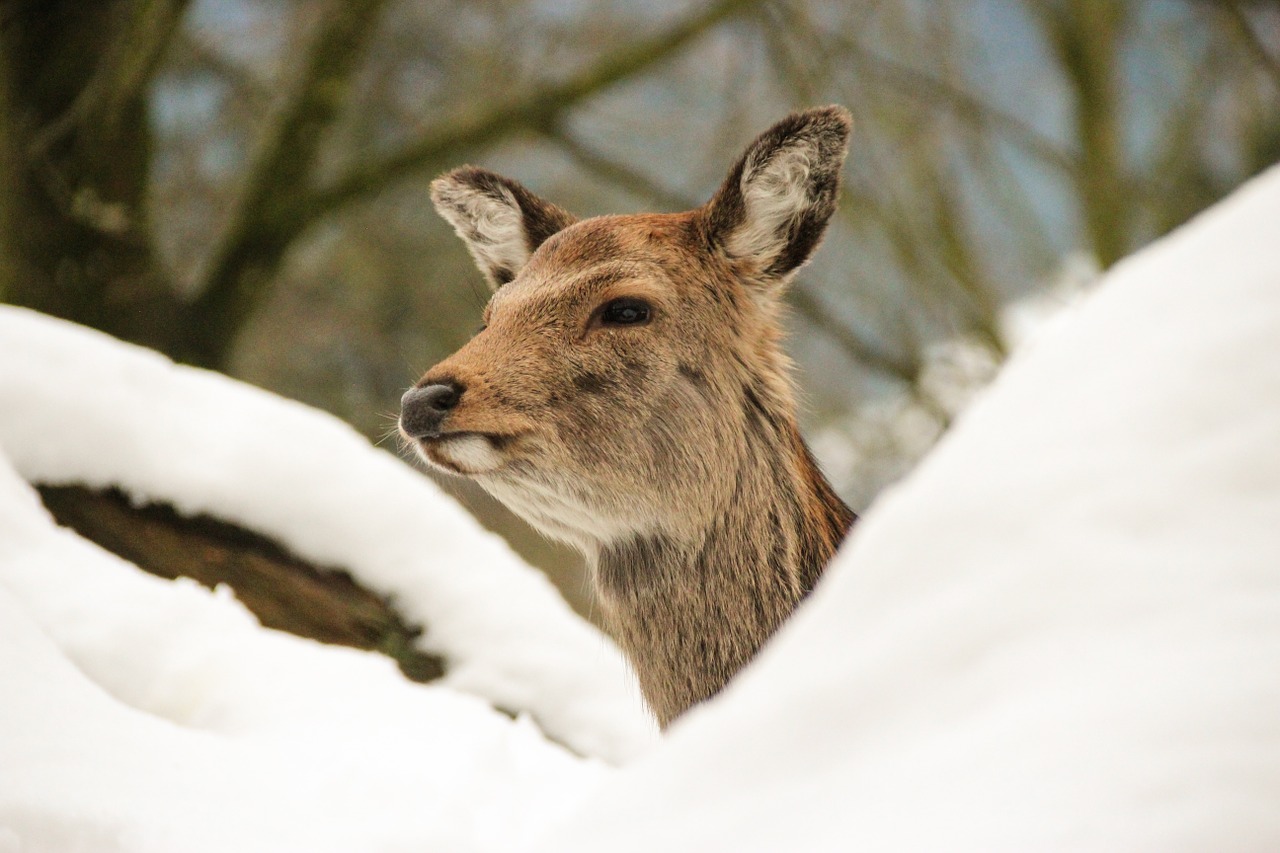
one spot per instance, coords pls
(422, 410)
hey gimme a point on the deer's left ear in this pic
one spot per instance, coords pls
(772, 210)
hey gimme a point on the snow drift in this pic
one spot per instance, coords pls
(77, 406)
(1062, 631)
(140, 714)
(149, 716)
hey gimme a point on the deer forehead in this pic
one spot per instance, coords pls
(599, 259)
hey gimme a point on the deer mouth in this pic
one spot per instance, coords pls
(464, 452)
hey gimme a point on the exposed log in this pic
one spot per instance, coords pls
(282, 590)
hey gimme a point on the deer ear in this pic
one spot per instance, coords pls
(501, 222)
(772, 210)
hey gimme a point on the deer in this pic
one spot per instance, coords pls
(628, 394)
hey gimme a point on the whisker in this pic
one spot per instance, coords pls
(393, 427)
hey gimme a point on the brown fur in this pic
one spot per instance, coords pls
(667, 451)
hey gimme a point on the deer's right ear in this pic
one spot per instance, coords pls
(501, 222)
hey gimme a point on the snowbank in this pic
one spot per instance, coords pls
(149, 716)
(141, 715)
(77, 406)
(1061, 632)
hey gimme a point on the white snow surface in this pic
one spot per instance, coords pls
(141, 714)
(1061, 632)
(77, 406)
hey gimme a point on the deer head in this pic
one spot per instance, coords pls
(623, 358)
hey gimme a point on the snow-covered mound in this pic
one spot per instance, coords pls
(77, 406)
(140, 714)
(1061, 632)
(214, 734)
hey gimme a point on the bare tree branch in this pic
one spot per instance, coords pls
(131, 62)
(961, 261)
(255, 239)
(1086, 36)
(486, 122)
(972, 110)
(1240, 24)
(822, 318)
(618, 174)
(10, 179)
(276, 206)
(244, 82)
(152, 27)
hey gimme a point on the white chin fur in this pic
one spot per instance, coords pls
(468, 454)
(576, 520)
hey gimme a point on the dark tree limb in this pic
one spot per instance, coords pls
(1245, 32)
(1086, 37)
(75, 228)
(256, 237)
(103, 105)
(487, 122)
(278, 204)
(619, 174)
(942, 95)
(282, 590)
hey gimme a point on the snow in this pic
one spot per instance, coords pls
(1062, 631)
(77, 406)
(141, 714)
(147, 715)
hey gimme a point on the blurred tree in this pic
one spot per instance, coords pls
(78, 88)
(76, 161)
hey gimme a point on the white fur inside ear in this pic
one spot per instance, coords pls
(774, 196)
(492, 228)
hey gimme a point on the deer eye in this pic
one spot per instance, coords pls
(626, 311)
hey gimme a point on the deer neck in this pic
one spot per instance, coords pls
(692, 610)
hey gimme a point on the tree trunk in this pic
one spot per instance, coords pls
(282, 590)
(77, 162)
